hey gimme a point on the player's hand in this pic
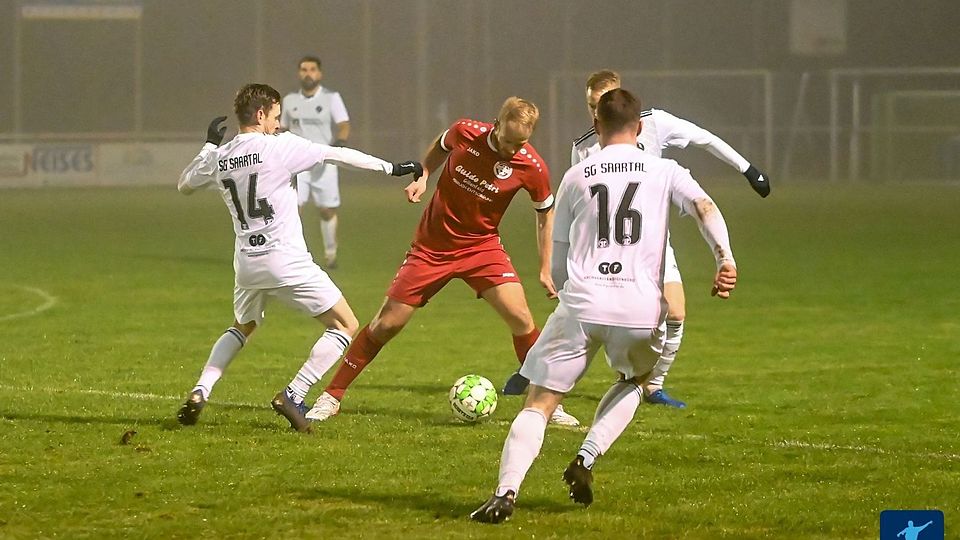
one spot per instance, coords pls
(758, 181)
(725, 281)
(215, 130)
(547, 281)
(408, 167)
(415, 189)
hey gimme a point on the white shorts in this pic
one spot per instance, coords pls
(671, 272)
(320, 185)
(566, 346)
(312, 298)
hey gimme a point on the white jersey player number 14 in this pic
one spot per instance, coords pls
(256, 208)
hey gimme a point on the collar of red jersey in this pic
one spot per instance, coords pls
(490, 142)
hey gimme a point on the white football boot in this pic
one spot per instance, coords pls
(325, 407)
(560, 418)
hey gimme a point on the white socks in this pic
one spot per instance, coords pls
(223, 352)
(329, 229)
(671, 345)
(520, 449)
(325, 353)
(614, 414)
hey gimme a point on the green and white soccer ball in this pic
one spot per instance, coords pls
(473, 398)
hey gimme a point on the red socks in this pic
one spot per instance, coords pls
(361, 352)
(522, 344)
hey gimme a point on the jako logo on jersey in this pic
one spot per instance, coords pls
(473, 151)
(610, 268)
(502, 170)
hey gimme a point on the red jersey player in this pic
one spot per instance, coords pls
(484, 166)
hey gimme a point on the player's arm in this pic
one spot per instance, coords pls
(202, 170)
(679, 133)
(432, 160)
(343, 133)
(298, 154)
(690, 197)
(341, 120)
(545, 248)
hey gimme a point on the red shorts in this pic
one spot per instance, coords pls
(423, 274)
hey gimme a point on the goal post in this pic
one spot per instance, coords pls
(876, 113)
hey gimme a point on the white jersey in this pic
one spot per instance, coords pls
(613, 210)
(663, 130)
(253, 173)
(313, 117)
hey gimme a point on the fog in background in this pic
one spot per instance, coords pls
(408, 68)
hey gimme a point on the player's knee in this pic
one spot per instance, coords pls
(246, 328)
(351, 325)
(520, 322)
(383, 329)
(676, 315)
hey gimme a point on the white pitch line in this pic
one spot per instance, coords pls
(829, 447)
(864, 450)
(113, 393)
(48, 302)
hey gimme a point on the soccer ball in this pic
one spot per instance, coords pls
(473, 398)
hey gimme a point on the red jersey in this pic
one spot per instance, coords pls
(476, 187)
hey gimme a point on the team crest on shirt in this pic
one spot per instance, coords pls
(319, 108)
(502, 170)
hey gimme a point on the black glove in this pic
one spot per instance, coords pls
(215, 131)
(339, 142)
(408, 167)
(758, 181)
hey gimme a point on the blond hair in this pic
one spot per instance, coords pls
(519, 110)
(603, 79)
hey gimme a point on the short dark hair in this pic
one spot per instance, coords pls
(309, 58)
(617, 109)
(252, 98)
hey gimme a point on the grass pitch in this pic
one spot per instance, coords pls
(824, 392)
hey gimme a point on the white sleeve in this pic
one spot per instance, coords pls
(574, 156)
(338, 110)
(298, 154)
(355, 159)
(686, 193)
(200, 172)
(678, 133)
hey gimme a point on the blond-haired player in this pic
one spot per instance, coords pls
(484, 165)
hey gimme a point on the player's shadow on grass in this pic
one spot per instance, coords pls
(439, 389)
(67, 419)
(166, 423)
(439, 505)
